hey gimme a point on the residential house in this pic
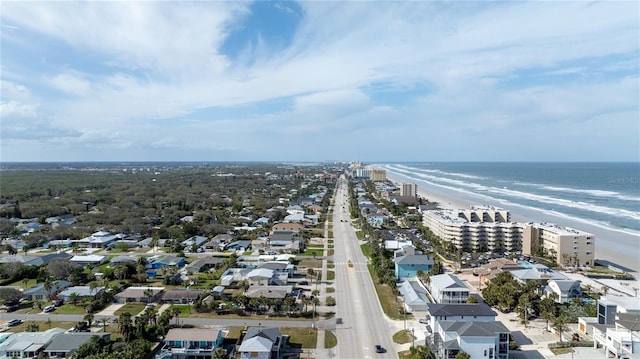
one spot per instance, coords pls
(280, 266)
(488, 339)
(565, 289)
(414, 296)
(30, 260)
(140, 295)
(233, 275)
(27, 344)
(154, 264)
(261, 343)
(261, 222)
(196, 241)
(120, 260)
(242, 245)
(191, 343)
(100, 239)
(38, 292)
(91, 259)
(620, 340)
(293, 227)
(80, 292)
(537, 272)
(467, 312)
(181, 296)
(269, 291)
(447, 288)
(204, 264)
(260, 276)
(64, 345)
(408, 262)
(66, 220)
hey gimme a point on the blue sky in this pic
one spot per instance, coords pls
(316, 81)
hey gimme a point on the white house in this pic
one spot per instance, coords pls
(447, 288)
(565, 289)
(478, 339)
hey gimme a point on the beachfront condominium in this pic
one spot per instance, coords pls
(570, 247)
(480, 228)
(408, 189)
(378, 175)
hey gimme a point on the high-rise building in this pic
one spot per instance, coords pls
(569, 246)
(478, 229)
(409, 189)
(378, 175)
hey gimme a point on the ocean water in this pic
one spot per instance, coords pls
(597, 195)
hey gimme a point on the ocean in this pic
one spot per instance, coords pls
(600, 198)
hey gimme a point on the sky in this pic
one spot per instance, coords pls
(373, 81)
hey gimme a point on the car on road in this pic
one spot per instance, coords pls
(49, 308)
(380, 349)
(423, 321)
(14, 322)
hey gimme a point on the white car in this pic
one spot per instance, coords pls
(49, 308)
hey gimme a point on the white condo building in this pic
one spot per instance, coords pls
(478, 228)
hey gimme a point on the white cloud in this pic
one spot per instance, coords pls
(151, 62)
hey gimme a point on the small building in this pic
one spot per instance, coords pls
(565, 289)
(204, 264)
(80, 292)
(64, 345)
(91, 259)
(120, 260)
(408, 263)
(140, 295)
(261, 343)
(241, 245)
(191, 343)
(269, 291)
(468, 312)
(181, 296)
(478, 339)
(447, 288)
(38, 292)
(27, 344)
(620, 340)
(415, 296)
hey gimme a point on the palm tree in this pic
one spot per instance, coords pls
(560, 324)
(47, 287)
(148, 293)
(88, 318)
(175, 312)
(219, 353)
(73, 297)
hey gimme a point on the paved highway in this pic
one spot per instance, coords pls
(364, 324)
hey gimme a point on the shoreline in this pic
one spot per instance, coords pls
(611, 246)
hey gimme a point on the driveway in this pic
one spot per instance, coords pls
(110, 310)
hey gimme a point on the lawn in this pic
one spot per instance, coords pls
(390, 304)
(331, 275)
(20, 283)
(403, 337)
(305, 337)
(366, 250)
(42, 325)
(313, 251)
(70, 309)
(133, 308)
(330, 340)
(331, 290)
(360, 235)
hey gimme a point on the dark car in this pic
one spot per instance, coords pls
(380, 349)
